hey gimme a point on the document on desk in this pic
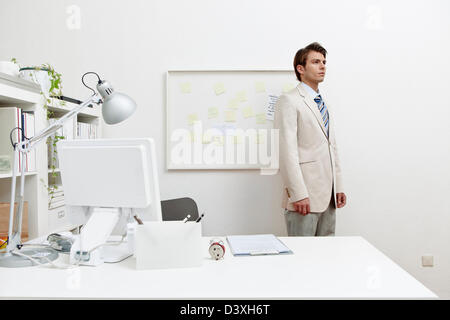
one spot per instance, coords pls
(260, 244)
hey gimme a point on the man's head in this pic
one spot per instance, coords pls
(309, 63)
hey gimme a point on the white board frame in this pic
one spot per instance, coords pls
(171, 166)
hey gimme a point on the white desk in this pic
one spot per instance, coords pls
(321, 267)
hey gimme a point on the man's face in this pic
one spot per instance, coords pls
(314, 69)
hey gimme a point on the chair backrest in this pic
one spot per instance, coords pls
(178, 209)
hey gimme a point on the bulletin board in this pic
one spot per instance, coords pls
(202, 105)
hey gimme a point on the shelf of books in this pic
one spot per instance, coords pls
(22, 106)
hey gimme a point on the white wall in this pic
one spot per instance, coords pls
(388, 78)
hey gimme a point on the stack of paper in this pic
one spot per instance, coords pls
(256, 245)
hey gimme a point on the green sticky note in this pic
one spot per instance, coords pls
(247, 112)
(230, 116)
(241, 96)
(219, 88)
(260, 86)
(218, 140)
(206, 138)
(185, 87)
(260, 118)
(233, 103)
(213, 112)
(192, 118)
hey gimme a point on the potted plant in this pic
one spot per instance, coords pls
(10, 67)
(44, 75)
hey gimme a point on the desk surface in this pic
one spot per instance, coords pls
(321, 267)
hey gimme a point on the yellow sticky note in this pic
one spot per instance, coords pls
(219, 88)
(218, 140)
(260, 86)
(213, 112)
(230, 116)
(192, 118)
(185, 87)
(206, 138)
(191, 136)
(241, 96)
(233, 103)
(247, 112)
(288, 86)
(260, 118)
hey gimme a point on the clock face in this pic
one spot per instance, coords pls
(216, 251)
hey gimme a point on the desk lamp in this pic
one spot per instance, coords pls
(116, 107)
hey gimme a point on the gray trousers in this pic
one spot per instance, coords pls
(313, 224)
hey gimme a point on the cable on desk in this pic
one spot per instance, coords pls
(119, 260)
(111, 243)
(63, 266)
(38, 245)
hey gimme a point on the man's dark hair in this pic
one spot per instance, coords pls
(302, 54)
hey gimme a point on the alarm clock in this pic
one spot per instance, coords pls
(216, 249)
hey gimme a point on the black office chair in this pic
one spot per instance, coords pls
(178, 209)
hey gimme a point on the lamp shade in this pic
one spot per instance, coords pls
(116, 106)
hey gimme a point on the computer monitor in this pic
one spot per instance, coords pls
(105, 178)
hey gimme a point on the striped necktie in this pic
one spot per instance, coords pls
(323, 111)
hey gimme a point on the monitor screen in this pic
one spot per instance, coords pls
(115, 173)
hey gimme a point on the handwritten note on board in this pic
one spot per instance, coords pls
(270, 114)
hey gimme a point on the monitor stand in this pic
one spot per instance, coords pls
(94, 236)
(116, 253)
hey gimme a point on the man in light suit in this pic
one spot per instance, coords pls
(309, 162)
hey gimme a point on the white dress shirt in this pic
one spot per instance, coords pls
(311, 91)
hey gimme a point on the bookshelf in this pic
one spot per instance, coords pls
(16, 92)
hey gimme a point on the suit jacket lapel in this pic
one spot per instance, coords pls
(313, 106)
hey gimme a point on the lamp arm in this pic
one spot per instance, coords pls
(59, 123)
(15, 221)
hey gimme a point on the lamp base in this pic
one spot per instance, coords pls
(42, 255)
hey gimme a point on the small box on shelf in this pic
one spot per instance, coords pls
(4, 220)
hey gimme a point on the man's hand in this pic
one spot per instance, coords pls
(302, 206)
(341, 199)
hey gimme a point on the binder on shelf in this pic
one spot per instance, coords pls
(29, 131)
(87, 130)
(260, 244)
(10, 118)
